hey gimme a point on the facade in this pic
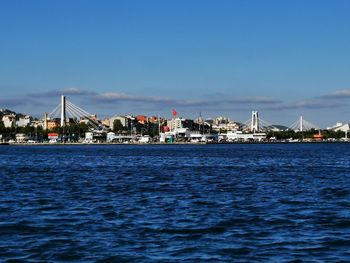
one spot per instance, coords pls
(221, 120)
(106, 123)
(21, 137)
(9, 120)
(141, 119)
(240, 136)
(24, 121)
(225, 124)
(37, 123)
(89, 137)
(52, 124)
(167, 137)
(110, 136)
(153, 119)
(125, 121)
(340, 127)
(175, 124)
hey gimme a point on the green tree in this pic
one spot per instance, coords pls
(117, 126)
(2, 127)
(28, 130)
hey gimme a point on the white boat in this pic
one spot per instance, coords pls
(145, 139)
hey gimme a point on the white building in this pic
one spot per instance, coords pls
(240, 136)
(123, 120)
(110, 136)
(9, 120)
(37, 123)
(221, 120)
(224, 123)
(175, 124)
(21, 137)
(89, 137)
(167, 137)
(340, 127)
(24, 121)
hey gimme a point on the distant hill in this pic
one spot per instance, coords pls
(7, 111)
(280, 127)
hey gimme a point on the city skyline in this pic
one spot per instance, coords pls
(226, 58)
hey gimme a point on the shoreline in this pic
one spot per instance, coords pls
(168, 144)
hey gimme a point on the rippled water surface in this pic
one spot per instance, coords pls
(191, 203)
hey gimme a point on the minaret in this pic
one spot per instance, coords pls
(63, 111)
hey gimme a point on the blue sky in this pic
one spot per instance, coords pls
(283, 58)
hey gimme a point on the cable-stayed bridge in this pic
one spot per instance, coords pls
(66, 111)
(301, 125)
(256, 124)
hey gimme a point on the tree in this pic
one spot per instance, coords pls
(83, 127)
(28, 130)
(117, 126)
(2, 127)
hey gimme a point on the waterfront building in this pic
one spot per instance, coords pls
(241, 136)
(167, 137)
(221, 120)
(225, 124)
(89, 137)
(318, 137)
(340, 127)
(9, 120)
(37, 123)
(21, 137)
(110, 136)
(96, 136)
(175, 131)
(141, 119)
(153, 119)
(197, 137)
(232, 126)
(53, 137)
(124, 120)
(53, 124)
(175, 124)
(24, 121)
(106, 123)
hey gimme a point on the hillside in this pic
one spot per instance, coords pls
(7, 111)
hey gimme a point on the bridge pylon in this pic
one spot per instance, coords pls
(254, 127)
(63, 111)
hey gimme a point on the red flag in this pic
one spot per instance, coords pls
(174, 112)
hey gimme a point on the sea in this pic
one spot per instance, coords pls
(175, 203)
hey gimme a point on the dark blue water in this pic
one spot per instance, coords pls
(186, 203)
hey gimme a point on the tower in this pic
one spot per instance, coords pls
(63, 111)
(255, 122)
